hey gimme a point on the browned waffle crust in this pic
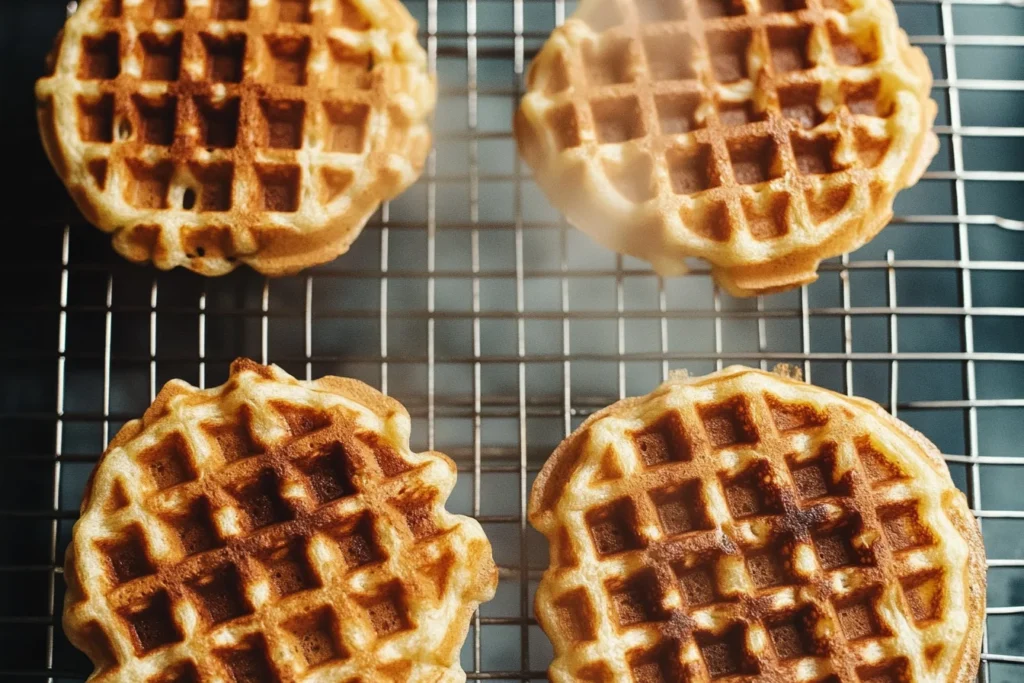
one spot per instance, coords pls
(208, 134)
(272, 530)
(746, 526)
(760, 135)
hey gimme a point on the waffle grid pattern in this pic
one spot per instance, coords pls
(815, 551)
(326, 555)
(739, 132)
(207, 134)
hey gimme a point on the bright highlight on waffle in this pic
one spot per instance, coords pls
(762, 136)
(746, 526)
(210, 133)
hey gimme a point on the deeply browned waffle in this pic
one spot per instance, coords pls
(760, 135)
(746, 526)
(210, 133)
(273, 530)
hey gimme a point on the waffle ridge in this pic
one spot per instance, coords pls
(209, 134)
(746, 526)
(273, 530)
(760, 135)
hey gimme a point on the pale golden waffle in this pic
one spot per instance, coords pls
(273, 530)
(208, 133)
(760, 135)
(746, 526)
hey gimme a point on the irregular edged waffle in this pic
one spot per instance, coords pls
(746, 526)
(760, 135)
(208, 133)
(273, 530)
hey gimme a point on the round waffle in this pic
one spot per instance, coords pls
(760, 135)
(210, 133)
(273, 530)
(748, 526)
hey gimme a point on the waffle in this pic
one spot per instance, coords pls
(747, 526)
(273, 530)
(759, 135)
(208, 133)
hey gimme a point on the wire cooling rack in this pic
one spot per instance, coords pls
(501, 329)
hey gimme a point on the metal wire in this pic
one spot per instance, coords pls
(550, 374)
(963, 252)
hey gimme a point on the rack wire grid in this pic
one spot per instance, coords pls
(471, 301)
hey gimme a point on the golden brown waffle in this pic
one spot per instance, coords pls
(208, 133)
(747, 526)
(760, 135)
(273, 530)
